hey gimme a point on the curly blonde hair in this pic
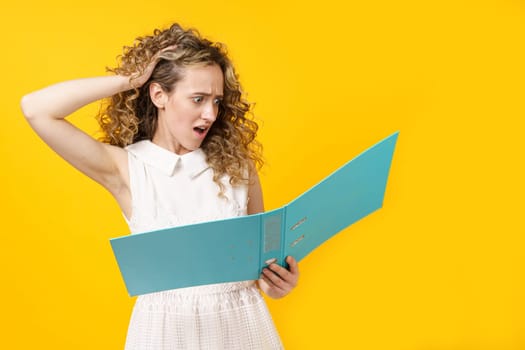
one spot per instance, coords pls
(130, 116)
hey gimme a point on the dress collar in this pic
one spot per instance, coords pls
(192, 163)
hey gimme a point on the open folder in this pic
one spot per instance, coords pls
(237, 249)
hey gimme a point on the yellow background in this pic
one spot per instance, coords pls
(441, 266)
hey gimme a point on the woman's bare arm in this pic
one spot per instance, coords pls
(255, 196)
(46, 110)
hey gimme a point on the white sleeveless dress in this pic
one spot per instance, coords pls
(170, 190)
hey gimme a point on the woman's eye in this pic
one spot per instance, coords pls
(217, 101)
(197, 99)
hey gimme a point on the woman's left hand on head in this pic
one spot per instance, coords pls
(139, 78)
(276, 281)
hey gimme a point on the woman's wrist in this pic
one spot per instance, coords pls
(124, 83)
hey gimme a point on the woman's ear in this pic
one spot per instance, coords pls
(158, 96)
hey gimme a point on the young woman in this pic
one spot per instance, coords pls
(179, 148)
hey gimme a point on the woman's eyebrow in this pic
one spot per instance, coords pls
(205, 94)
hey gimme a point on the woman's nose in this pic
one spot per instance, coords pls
(210, 113)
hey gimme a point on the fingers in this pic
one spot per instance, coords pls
(290, 275)
(276, 281)
(168, 48)
(294, 267)
(162, 51)
(270, 289)
(281, 272)
(140, 77)
(272, 275)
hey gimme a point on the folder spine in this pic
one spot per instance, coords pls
(282, 258)
(272, 236)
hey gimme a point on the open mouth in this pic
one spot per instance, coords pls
(200, 130)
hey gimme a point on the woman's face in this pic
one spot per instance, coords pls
(187, 113)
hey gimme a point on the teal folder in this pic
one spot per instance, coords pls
(237, 249)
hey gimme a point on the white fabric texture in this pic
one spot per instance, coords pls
(171, 190)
